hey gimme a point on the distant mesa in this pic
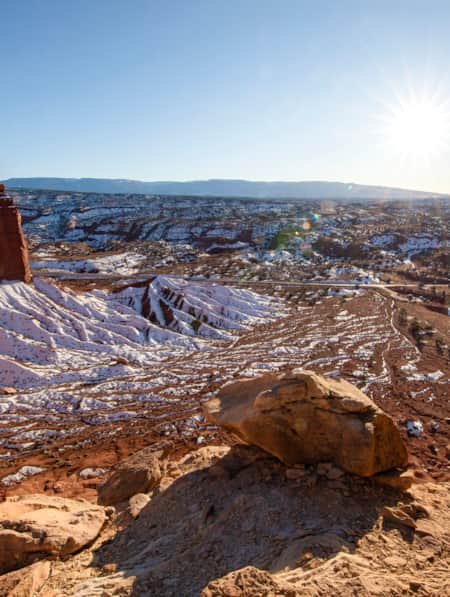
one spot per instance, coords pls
(14, 262)
(315, 189)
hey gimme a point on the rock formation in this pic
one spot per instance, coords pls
(302, 417)
(14, 264)
(37, 526)
(26, 581)
(137, 474)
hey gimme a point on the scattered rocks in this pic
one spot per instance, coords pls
(137, 474)
(37, 526)
(303, 417)
(231, 507)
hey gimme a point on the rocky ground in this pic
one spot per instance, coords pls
(236, 522)
(225, 522)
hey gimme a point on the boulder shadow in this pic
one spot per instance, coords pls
(240, 510)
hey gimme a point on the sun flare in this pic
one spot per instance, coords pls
(418, 128)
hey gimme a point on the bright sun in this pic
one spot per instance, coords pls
(418, 128)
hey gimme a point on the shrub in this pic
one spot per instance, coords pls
(403, 317)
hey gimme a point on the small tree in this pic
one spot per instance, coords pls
(415, 329)
(403, 317)
(440, 345)
(195, 324)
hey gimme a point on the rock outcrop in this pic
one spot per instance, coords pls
(14, 263)
(26, 581)
(37, 526)
(137, 474)
(302, 417)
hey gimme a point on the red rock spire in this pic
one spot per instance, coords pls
(14, 264)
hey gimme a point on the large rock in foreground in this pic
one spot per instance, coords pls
(37, 526)
(302, 417)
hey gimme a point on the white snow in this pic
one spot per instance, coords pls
(49, 335)
(23, 473)
(120, 264)
(92, 473)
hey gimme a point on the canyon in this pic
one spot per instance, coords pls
(133, 314)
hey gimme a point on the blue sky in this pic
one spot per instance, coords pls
(189, 89)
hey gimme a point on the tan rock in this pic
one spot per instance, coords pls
(137, 503)
(137, 474)
(302, 417)
(396, 479)
(25, 582)
(203, 458)
(249, 582)
(395, 562)
(398, 516)
(36, 526)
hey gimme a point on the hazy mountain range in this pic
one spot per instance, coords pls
(222, 188)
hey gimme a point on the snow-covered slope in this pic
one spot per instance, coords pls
(120, 264)
(49, 335)
(206, 310)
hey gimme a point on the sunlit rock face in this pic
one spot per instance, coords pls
(14, 264)
(303, 417)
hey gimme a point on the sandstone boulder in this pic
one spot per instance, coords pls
(137, 474)
(25, 582)
(37, 526)
(303, 417)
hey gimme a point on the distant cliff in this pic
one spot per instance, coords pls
(222, 188)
